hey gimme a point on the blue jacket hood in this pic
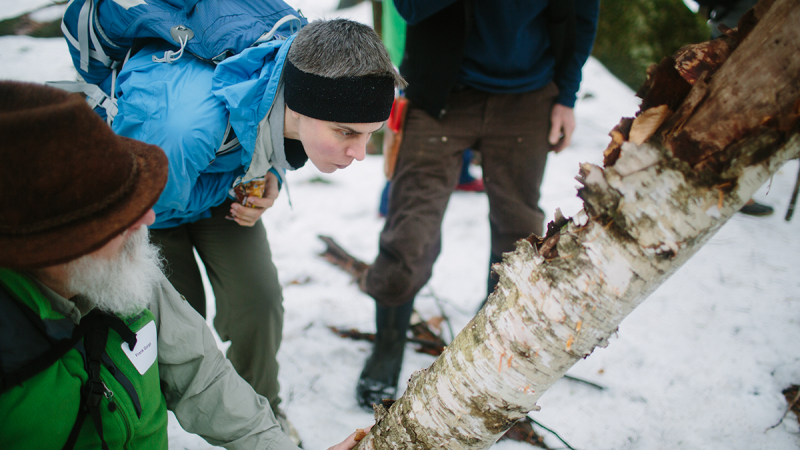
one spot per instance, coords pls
(247, 84)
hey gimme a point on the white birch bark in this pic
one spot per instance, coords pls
(643, 218)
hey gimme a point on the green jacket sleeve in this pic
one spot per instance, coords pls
(201, 386)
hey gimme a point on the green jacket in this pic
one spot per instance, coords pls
(190, 377)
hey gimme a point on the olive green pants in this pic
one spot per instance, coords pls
(248, 296)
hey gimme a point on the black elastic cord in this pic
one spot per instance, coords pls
(76, 428)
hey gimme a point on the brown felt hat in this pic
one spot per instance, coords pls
(68, 184)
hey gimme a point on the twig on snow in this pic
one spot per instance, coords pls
(788, 408)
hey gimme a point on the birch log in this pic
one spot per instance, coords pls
(652, 206)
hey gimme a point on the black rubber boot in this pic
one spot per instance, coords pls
(379, 378)
(756, 209)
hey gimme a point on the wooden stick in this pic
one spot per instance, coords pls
(793, 201)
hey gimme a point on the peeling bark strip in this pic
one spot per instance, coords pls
(645, 214)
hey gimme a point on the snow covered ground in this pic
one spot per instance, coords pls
(699, 365)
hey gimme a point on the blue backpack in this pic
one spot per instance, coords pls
(102, 33)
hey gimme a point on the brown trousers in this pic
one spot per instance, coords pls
(510, 131)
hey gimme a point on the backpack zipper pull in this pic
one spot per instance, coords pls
(112, 406)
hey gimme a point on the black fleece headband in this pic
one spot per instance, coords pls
(365, 99)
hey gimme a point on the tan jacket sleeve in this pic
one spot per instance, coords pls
(201, 386)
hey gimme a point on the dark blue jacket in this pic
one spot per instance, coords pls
(495, 46)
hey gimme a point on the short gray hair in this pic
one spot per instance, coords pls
(342, 48)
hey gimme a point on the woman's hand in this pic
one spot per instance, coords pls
(248, 214)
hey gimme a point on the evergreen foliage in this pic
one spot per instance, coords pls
(633, 34)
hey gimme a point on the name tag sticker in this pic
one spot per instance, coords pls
(145, 352)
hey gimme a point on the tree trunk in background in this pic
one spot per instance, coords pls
(671, 180)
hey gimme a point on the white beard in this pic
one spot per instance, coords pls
(123, 285)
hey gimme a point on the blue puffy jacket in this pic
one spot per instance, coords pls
(185, 108)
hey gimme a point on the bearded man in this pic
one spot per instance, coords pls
(95, 344)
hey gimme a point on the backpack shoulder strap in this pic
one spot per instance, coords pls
(94, 95)
(29, 345)
(94, 327)
(93, 390)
